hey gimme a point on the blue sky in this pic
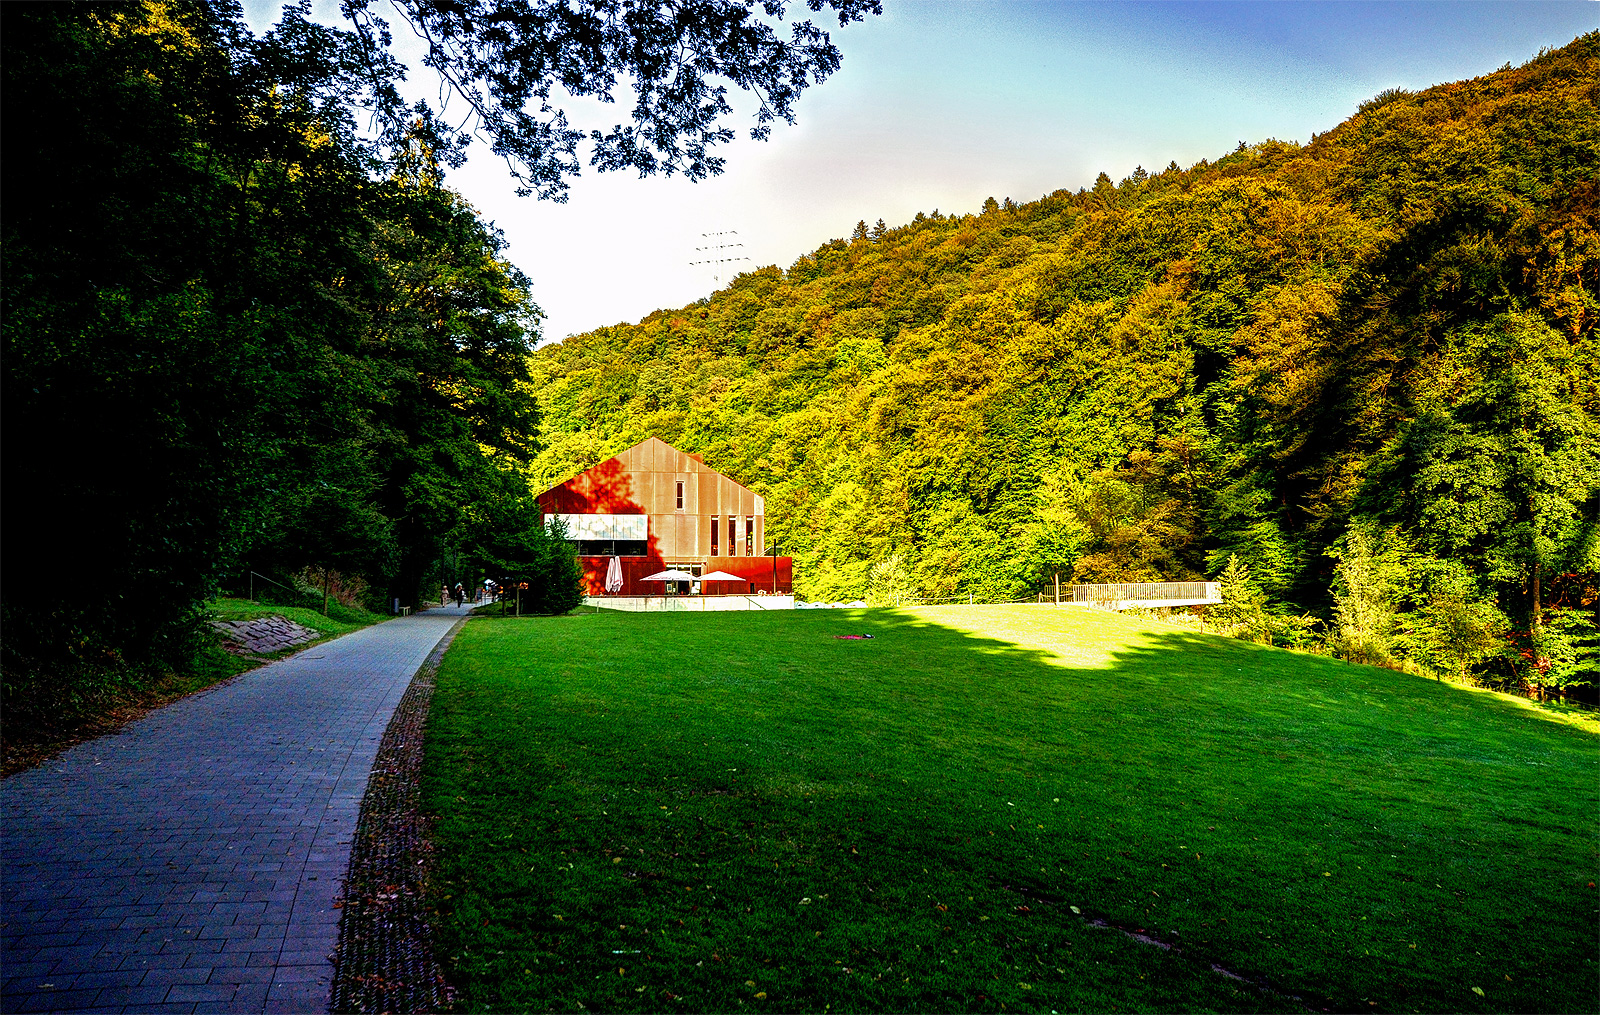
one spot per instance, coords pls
(942, 104)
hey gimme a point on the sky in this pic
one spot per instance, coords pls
(943, 104)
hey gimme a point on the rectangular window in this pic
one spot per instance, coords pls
(680, 495)
(733, 538)
(749, 535)
(713, 537)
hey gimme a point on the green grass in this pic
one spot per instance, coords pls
(341, 619)
(634, 810)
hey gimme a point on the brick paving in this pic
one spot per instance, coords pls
(265, 634)
(190, 862)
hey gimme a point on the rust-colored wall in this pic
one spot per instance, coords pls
(759, 571)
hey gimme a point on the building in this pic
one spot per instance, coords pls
(656, 508)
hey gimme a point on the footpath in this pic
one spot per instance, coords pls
(191, 861)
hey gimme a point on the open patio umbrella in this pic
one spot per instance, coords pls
(614, 576)
(722, 576)
(670, 575)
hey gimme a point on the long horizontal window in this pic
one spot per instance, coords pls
(580, 528)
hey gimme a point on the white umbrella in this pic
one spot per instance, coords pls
(670, 575)
(614, 576)
(722, 576)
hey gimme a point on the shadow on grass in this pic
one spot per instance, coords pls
(745, 804)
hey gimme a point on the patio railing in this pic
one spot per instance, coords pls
(1121, 592)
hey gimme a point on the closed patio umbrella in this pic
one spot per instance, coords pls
(614, 576)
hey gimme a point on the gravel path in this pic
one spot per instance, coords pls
(191, 862)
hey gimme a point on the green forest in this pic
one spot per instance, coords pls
(1358, 380)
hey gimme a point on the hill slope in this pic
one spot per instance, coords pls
(1391, 328)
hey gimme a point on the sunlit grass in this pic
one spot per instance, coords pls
(716, 811)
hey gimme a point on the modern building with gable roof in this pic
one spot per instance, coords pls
(656, 507)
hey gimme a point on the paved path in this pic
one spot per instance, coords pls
(190, 862)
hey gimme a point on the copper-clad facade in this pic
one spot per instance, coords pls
(696, 519)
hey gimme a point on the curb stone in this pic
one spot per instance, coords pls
(385, 961)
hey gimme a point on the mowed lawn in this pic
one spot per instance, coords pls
(715, 812)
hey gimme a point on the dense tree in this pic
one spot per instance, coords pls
(233, 338)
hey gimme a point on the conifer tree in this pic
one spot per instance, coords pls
(1362, 615)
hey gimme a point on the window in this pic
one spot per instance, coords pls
(680, 495)
(713, 537)
(733, 536)
(749, 535)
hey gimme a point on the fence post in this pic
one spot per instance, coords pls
(1058, 588)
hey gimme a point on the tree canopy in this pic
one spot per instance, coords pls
(509, 61)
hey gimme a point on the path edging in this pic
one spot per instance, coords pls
(384, 961)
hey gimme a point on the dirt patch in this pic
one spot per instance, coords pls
(29, 748)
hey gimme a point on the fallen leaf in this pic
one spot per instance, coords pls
(1075, 909)
(1478, 991)
(761, 996)
(805, 901)
(749, 983)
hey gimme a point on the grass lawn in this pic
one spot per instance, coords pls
(738, 811)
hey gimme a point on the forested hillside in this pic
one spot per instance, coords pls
(1367, 369)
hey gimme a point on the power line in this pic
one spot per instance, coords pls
(718, 251)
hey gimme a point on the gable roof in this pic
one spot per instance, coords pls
(641, 479)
